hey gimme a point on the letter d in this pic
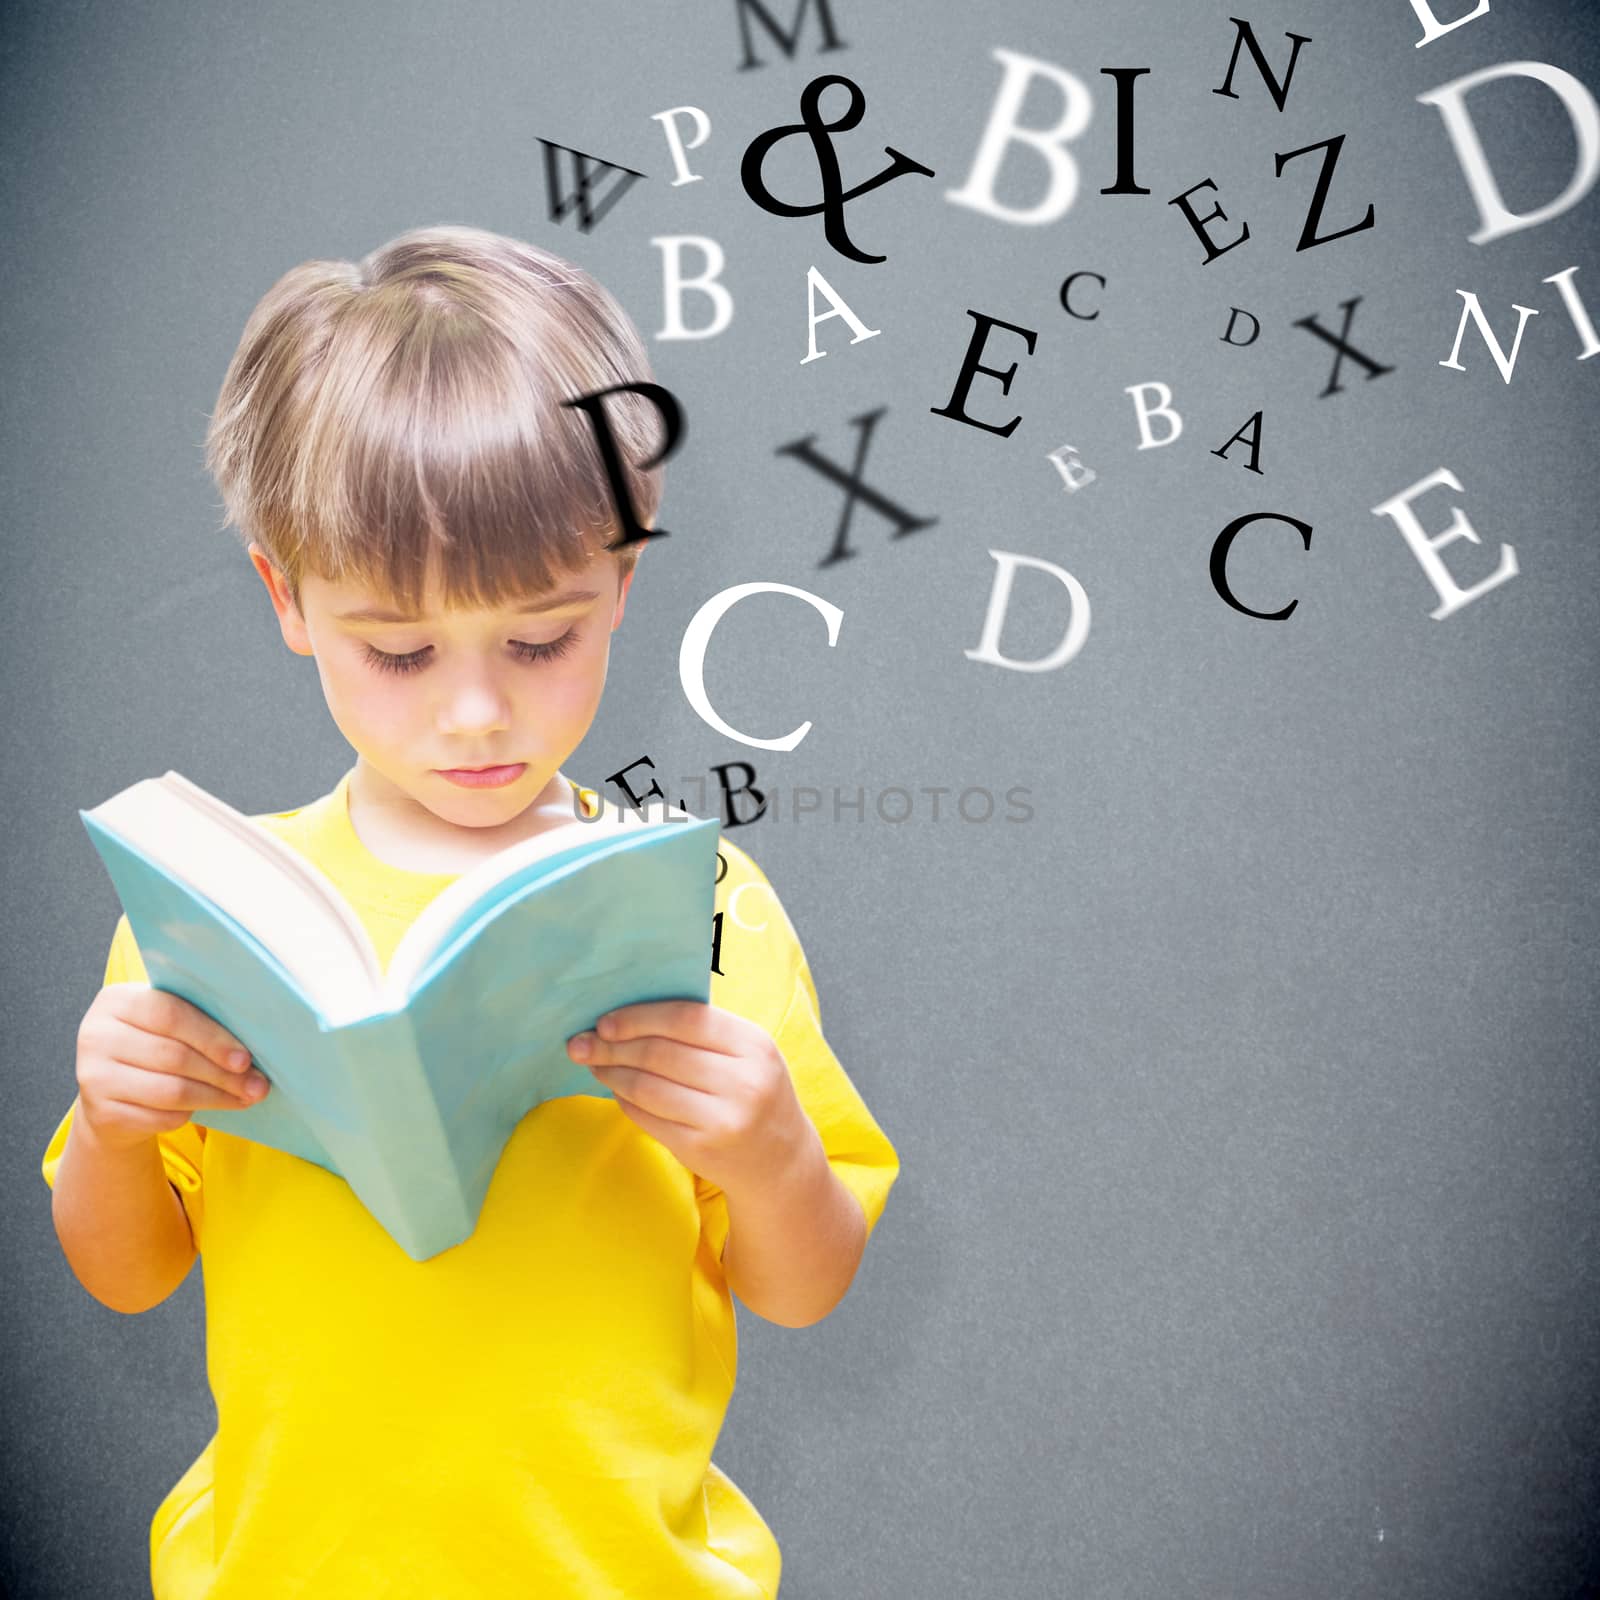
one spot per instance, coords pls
(994, 619)
(1582, 112)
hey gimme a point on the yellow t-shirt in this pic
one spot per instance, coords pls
(530, 1413)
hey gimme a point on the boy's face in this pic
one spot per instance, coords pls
(469, 688)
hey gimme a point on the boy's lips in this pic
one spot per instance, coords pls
(484, 777)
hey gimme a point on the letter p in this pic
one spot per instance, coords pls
(675, 145)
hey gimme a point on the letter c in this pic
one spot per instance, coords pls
(1066, 295)
(696, 637)
(1219, 561)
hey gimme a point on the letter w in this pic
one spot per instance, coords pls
(586, 177)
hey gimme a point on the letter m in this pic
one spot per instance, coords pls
(786, 41)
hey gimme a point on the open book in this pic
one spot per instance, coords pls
(408, 1084)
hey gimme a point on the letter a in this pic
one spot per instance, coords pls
(1002, 130)
(1250, 434)
(815, 281)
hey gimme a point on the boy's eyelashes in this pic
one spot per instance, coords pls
(416, 659)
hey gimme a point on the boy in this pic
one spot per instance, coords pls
(532, 1412)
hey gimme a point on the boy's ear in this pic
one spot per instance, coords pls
(290, 623)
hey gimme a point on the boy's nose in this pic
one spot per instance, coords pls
(474, 710)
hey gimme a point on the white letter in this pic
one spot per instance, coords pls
(1077, 630)
(675, 145)
(1002, 130)
(1162, 409)
(733, 904)
(1423, 548)
(1473, 310)
(1067, 462)
(692, 656)
(675, 283)
(1433, 28)
(1582, 112)
(815, 281)
(1575, 310)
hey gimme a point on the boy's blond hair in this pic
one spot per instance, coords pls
(402, 415)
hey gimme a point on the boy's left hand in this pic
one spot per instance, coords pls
(709, 1084)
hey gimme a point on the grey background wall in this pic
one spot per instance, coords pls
(1245, 1242)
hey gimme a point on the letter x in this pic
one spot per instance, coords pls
(853, 486)
(1342, 347)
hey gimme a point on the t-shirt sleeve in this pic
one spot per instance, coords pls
(183, 1149)
(858, 1151)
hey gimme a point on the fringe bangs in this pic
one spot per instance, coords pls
(400, 422)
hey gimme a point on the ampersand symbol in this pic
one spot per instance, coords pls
(834, 195)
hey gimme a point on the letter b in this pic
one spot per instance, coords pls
(674, 283)
(1162, 408)
(1002, 130)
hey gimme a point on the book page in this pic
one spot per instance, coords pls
(442, 914)
(267, 886)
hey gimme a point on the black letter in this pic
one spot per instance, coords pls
(1250, 434)
(903, 520)
(1219, 561)
(1344, 349)
(970, 368)
(1278, 91)
(583, 178)
(731, 818)
(1066, 291)
(1198, 223)
(786, 41)
(620, 778)
(1308, 234)
(671, 417)
(1126, 182)
(1227, 337)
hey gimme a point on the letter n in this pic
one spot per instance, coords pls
(1245, 36)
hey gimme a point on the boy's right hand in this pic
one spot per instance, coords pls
(147, 1058)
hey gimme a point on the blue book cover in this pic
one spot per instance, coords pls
(409, 1084)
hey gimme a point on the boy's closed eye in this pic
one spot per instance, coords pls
(414, 660)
